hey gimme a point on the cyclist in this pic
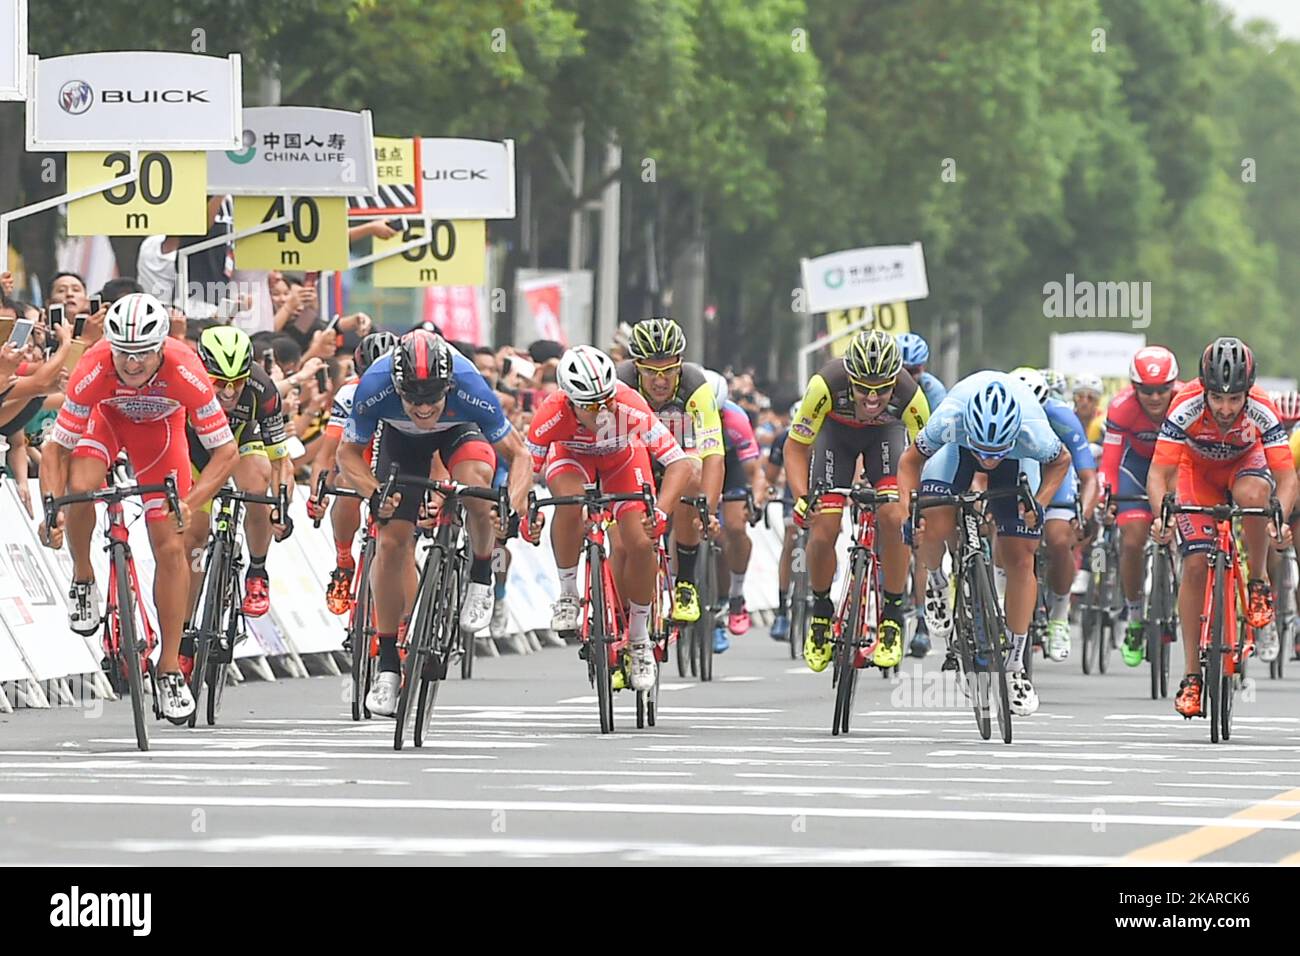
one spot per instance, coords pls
(741, 473)
(990, 423)
(596, 428)
(345, 513)
(1133, 421)
(772, 469)
(1288, 406)
(132, 392)
(1087, 393)
(1058, 530)
(916, 353)
(431, 401)
(678, 393)
(1222, 436)
(860, 406)
(251, 402)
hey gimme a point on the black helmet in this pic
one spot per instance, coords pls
(370, 348)
(1228, 366)
(422, 367)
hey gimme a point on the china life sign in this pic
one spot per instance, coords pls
(298, 151)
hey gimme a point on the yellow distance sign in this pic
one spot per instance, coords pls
(457, 256)
(316, 239)
(891, 317)
(169, 197)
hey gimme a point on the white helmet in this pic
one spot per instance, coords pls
(1087, 382)
(719, 384)
(586, 374)
(137, 323)
(1032, 378)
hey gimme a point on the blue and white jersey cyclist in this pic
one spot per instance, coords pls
(990, 423)
(431, 401)
(916, 353)
(1061, 534)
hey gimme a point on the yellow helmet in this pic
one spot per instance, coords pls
(873, 356)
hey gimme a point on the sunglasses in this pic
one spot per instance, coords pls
(659, 372)
(223, 384)
(990, 455)
(137, 357)
(592, 407)
(1154, 389)
(423, 398)
(867, 388)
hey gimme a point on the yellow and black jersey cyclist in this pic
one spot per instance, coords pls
(252, 404)
(863, 406)
(682, 398)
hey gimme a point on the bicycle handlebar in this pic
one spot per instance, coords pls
(591, 499)
(279, 503)
(112, 495)
(1221, 512)
(969, 498)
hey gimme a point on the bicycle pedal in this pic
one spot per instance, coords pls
(582, 651)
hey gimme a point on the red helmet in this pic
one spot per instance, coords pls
(1288, 406)
(1153, 365)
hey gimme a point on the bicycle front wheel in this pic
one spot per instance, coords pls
(598, 640)
(127, 644)
(419, 638)
(447, 633)
(704, 626)
(846, 647)
(359, 632)
(994, 630)
(1212, 685)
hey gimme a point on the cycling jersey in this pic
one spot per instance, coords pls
(341, 409)
(1190, 433)
(691, 414)
(1070, 430)
(257, 422)
(830, 395)
(630, 422)
(469, 401)
(741, 446)
(181, 386)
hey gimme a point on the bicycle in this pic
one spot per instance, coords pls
(434, 637)
(858, 616)
(603, 631)
(125, 623)
(360, 641)
(221, 623)
(1225, 641)
(800, 594)
(1160, 623)
(1286, 615)
(979, 624)
(1100, 608)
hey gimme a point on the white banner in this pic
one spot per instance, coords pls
(13, 49)
(1108, 354)
(298, 151)
(134, 100)
(842, 280)
(468, 178)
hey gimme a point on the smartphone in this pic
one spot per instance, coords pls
(322, 383)
(311, 279)
(55, 314)
(96, 303)
(75, 351)
(398, 225)
(268, 360)
(526, 399)
(21, 332)
(524, 367)
(78, 326)
(330, 325)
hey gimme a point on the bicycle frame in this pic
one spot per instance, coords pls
(1225, 545)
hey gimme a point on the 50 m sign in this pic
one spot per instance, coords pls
(455, 255)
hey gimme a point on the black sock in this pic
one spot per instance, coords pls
(390, 662)
(783, 603)
(686, 562)
(256, 566)
(480, 570)
(822, 604)
(187, 642)
(894, 607)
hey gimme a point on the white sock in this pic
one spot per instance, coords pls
(1060, 607)
(1133, 609)
(638, 615)
(1017, 661)
(569, 581)
(737, 584)
(1000, 582)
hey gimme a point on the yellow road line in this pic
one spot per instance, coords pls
(1206, 840)
(1292, 860)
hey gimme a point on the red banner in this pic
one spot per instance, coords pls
(454, 309)
(544, 303)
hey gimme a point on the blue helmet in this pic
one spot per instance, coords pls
(992, 419)
(914, 349)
